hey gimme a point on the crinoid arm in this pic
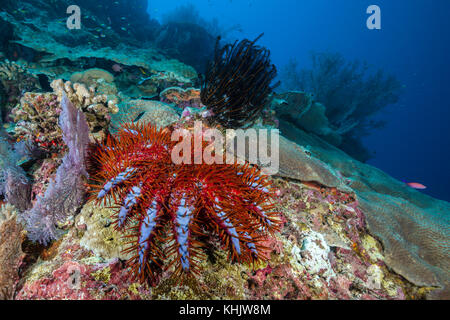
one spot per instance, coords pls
(238, 82)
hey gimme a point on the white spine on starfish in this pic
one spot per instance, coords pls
(130, 200)
(250, 245)
(230, 229)
(133, 132)
(266, 218)
(183, 219)
(147, 226)
(121, 177)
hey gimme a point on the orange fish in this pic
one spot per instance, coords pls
(416, 185)
(312, 185)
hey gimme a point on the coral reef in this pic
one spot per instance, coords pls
(145, 111)
(346, 229)
(237, 83)
(10, 251)
(37, 115)
(42, 39)
(14, 184)
(65, 194)
(36, 119)
(129, 22)
(300, 109)
(152, 193)
(97, 230)
(90, 77)
(327, 218)
(182, 98)
(158, 82)
(14, 80)
(407, 222)
(325, 249)
(349, 92)
(95, 105)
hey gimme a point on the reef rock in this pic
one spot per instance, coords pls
(300, 110)
(91, 76)
(37, 35)
(14, 80)
(413, 227)
(96, 228)
(155, 112)
(11, 253)
(322, 252)
(182, 98)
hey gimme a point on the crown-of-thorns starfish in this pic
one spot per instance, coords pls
(169, 210)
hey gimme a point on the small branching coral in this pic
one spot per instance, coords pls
(237, 84)
(170, 210)
(37, 121)
(37, 115)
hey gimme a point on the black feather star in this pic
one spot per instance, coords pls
(238, 82)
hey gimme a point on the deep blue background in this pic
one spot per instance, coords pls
(413, 44)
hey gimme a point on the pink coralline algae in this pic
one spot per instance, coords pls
(75, 281)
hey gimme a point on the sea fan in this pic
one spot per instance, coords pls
(14, 184)
(169, 209)
(66, 192)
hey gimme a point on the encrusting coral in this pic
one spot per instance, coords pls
(91, 76)
(172, 209)
(156, 83)
(155, 112)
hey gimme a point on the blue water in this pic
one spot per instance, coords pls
(413, 44)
